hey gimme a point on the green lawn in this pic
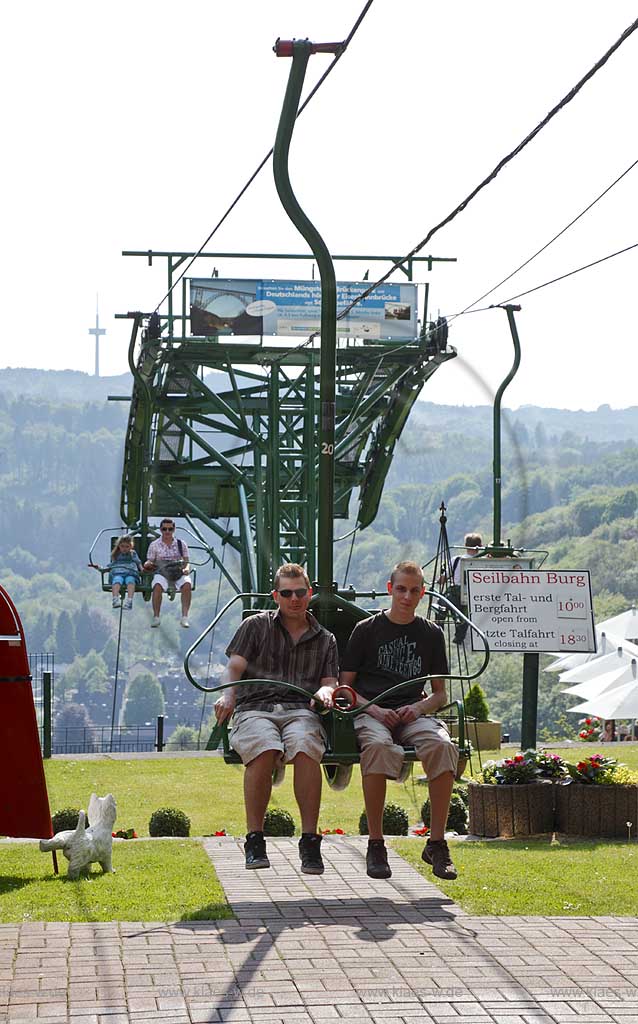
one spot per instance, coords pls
(508, 877)
(153, 881)
(538, 876)
(209, 791)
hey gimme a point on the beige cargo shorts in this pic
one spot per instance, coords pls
(382, 750)
(289, 731)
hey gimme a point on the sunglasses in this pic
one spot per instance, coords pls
(300, 592)
(167, 529)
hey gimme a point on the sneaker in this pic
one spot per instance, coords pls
(377, 860)
(184, 622)
(255, 851)
(128, 604)
(310, 854)
(155, 622)
(116, 602)
(437, 854)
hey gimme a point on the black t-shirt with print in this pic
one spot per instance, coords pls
(384, 653)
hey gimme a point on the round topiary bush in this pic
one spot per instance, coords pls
(65, 819)
(457, 818)
(169, 821)
(395, 821)
(278, 822)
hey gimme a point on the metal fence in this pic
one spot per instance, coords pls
(99, 740)
(38, 665)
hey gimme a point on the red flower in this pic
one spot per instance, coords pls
(420, 831)
(222, 832)
(519, 757)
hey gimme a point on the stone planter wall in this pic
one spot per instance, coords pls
(511, 810)
(578, 810)
(596, 810)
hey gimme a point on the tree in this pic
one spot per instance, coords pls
(184, 737)
(64, 638)
(109, 653)
(88, 676)
(73, 716)
(144, 699)
(92, 629)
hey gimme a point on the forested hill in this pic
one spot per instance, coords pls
(570, 484)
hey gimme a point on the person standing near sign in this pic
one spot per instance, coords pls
(473, 543)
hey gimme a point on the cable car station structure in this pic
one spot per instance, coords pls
(281, 448)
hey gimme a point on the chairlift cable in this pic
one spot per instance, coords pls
(547, 244)
(268, 155)
(117, 670)
(212, 636)
(561, 277)
(499, 167)
(354, 537)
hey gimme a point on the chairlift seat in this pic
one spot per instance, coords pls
(341, 748)
(145, 586)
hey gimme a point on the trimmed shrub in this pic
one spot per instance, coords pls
(475, 704)
(395, 821)
(169, 821)
(65, 819)
(278, 822)
(458, 816)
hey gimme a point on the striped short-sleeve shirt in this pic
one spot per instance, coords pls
(272, 654)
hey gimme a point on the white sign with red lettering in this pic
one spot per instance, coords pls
(531, 610)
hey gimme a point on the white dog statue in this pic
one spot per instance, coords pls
(85, 845)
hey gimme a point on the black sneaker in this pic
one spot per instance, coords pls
(377, 860)
(255, 850)
(310, 854)
(437, 854)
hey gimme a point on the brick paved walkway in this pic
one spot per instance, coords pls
(310, 949)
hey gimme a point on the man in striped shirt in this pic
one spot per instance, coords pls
(273, 724)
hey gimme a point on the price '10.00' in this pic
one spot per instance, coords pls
(571, 606)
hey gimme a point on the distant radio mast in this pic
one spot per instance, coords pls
(97, 331)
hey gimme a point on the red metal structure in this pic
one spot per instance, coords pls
(24, 802)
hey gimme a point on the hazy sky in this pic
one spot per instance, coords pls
(133, 125)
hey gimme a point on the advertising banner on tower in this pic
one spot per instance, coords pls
(292, 309)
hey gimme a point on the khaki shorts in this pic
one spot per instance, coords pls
(174, 584)
(382, 755)
(289, 731)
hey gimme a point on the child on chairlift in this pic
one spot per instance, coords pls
(125, 569)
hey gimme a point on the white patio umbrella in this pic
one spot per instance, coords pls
(621, 702)
(607, 642)
(624, 625)
(618, 676)
(598, 666)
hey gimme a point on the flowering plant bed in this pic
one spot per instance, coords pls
(589, 729)
(516, 797)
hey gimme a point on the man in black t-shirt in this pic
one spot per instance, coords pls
(394, 647)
